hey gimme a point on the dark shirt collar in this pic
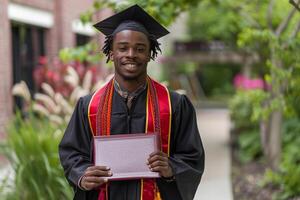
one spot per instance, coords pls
(129, 96)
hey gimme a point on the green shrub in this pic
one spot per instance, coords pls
(240, 111)
(216, 79)
(245, 108)
(288, 176)
(32, 148)
(245, 112)
(249, 146)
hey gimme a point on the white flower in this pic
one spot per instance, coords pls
(56, 119)
(58, 97)
(74, 94)
(67, 118)
(63, 103)
(58, 133)
(181, 91)
(21, 90)
(48, 89)
(101, 83)
(48, 102)
(87, 80)
(108, 77)
(165, 83)
(72, 77)
(81, 93)
(98, 85)
(40, 109)
(77, 93)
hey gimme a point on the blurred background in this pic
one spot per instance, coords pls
(236, 60)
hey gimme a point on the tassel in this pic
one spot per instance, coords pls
(157, 196)
(156, 193)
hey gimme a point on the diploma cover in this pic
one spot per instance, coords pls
(126, 154)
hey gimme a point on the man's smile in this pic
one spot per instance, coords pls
(130, 66)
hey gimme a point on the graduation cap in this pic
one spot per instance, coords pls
(133, 18)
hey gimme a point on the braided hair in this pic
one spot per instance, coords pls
(154, 46)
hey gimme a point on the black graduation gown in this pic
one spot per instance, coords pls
(186, 150)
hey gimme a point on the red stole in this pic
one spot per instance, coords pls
(158, 119)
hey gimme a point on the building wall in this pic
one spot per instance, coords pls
(61, 35)
(5, 68)
(64, 12)
(58, 36)
(47, 5)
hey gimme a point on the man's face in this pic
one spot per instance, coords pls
(130, 54)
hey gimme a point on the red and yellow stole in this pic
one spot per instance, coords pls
(158, 119)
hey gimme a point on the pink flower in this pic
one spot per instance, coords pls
(43, 60)
(242, 82)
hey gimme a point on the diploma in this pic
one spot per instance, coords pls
(126, 154)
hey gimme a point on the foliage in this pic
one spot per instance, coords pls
(187, 68)
(62, 82)
(170, 9)
(287, 178)
(249, 146)
(277, 50)
(293, 95)
(217, 79)
(52, 104)
(86, 54)
(225, 19)
(295, 3)
(33, 137)
(272, 32)
(82, 59)
(32, 148)
(214, 20)
(250, 25)
(245, 108)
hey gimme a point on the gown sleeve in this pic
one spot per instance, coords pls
(187, 153)
(75, 146)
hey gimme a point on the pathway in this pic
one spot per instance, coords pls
(214, 128)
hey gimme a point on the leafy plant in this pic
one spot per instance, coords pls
(52, 104)
(170, 9)
(245, 108)
(245, 112)
(56, 72)
(34, 135)
(287, 177)
(216, 79)
(32, 149)
(249, 146)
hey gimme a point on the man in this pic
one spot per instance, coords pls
(133, 103)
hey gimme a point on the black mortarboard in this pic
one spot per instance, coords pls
(125, 20)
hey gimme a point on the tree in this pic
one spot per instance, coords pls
(296, 4)
(270, 29)
(282, 62)
(163, 10)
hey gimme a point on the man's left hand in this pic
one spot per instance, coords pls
(159, 162)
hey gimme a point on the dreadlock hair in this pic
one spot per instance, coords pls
(154, 46)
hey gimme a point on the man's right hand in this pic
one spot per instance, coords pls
(94, 177)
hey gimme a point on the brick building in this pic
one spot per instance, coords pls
(33, 28)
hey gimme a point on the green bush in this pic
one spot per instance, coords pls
(217, 79)
(240, 111)
(32, 148)
(245, 108)
(288, 176)
(249, 146)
